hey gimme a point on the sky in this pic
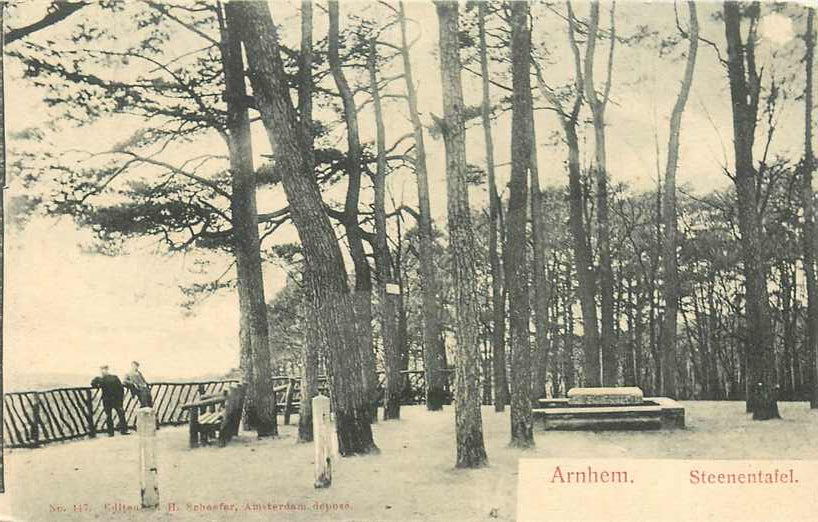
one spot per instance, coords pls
(70, 311)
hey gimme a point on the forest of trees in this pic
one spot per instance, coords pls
(290, 134)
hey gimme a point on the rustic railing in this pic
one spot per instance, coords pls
(34, 418)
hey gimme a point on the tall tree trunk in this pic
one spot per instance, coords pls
(469, 424)
(553, 326)
(322, 255)
(630, 373)
(672, 292)
(403, 321)
(653, 331)
(434, 355)
(522, 434)
(796, 372)
(744, 90)
(260, 404)
(809, 210)
(498, 302)
(312, 338)
(607, 341)
(383, 262)
(703, 341)
(787, 293)
(583, 255)
(501, 231)
(485, 375)
(621, 316)
(568, 318)
(644, 377)
(584, 261)
(363, 274)
(713, 339)
(309, 364)
(539, 273)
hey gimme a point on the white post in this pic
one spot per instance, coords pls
(322, 435)
(148, 476)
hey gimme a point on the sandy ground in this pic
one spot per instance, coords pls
(411, 479)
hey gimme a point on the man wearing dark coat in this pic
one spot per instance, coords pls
(112, 395)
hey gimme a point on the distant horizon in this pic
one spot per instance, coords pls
(42, 380)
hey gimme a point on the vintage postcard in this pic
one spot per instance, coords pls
(408, 260)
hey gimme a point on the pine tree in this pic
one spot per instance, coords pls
(471, 452)
(322, 255)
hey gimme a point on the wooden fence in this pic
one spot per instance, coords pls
(34, 418)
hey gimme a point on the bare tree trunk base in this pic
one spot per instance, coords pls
(355, 433)
(436, 400)
(262, 428)
(304, 433)
(522, 443)
(391, 409)
(471, 453)
(305, 424)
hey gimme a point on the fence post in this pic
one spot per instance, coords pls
(322, 435)
(148, 475)
(89, 414)
(35, 415)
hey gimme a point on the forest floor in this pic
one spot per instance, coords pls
(411, 479)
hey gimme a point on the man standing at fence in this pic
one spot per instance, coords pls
(138, 386)
(112, 395)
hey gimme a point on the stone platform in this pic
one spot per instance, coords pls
(610, 409)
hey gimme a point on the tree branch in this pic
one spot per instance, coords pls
(204, 181)
(166, 12)
(607, 92)
(57, 12)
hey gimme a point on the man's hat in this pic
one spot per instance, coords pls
(135, 362)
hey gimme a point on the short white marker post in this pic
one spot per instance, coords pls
(148, 475)
(322, 435)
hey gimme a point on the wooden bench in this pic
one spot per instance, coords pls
(212, 414)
